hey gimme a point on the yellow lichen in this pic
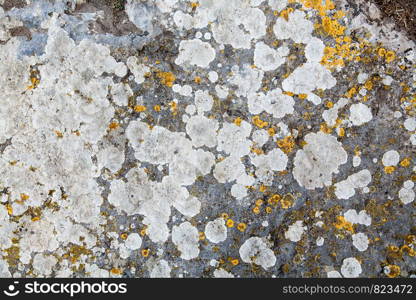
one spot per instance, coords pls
(389, 169)
(140, 108)
(405, 162)
(286, 144)
(241, 227)
(238, 121)
(342, 223)
(166, 78)
(393, 271)
(145, 252)
(259, 123)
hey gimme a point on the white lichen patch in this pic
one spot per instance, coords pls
(309, 77)
(360, 241)
(351, 268)
(160, 269)
(216, 231)
(221, 273)
(297, 27)
(186, 239)
(331, 115)
(180, 139)
(353, 217)
(203, 101)
(233, 139)
(390, 158)
(267, 164)
(274, 102)
(360, 114)
(318, 160)
(255, 250)
(333, 274)
(268, 59)
(138, 69)
(133, 241)
(406, 193)
(202, 131)
(295, 231)
(247, 79)
(346, 189)
(195, 52)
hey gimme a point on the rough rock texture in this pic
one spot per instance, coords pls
(205, 138)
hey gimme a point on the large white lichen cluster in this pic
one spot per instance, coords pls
(63, 161)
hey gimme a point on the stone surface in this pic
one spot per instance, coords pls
(226, 138)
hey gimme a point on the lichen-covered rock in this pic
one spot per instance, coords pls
(215, 138)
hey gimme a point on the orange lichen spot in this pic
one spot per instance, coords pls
(271, 131)
(34, 83)
(368, 85)
(34, 219)
(274, 199)
(405, 162)
(230, 223)
(238, 121)
(329, 104)
(325, 128)
(140, 108)
(116, 271)
(24, 197)
(332, 27)
(242, 227)
(381, 52)
(166, 78)
(351, 92)
(197, 80)
(224, 216)
(143, 232)
(235, 262)
(342, 223)
(194, 4)
(390, 56)
(286, 144)
(256, 210)
(258, 151)
(124, 236)
(59, 134)
(157, 108)
(113, 125)
(341, 132)
(393, 271)
(145, 252)
(302, 96)
(9, 209)
(201, 236)
(262, 188)
(269, 210)
(407, 249)
(285, 13)
(389, 169)
(259, 202)
(289, 93)
(259, 123)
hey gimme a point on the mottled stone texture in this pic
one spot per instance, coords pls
(205, 138)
